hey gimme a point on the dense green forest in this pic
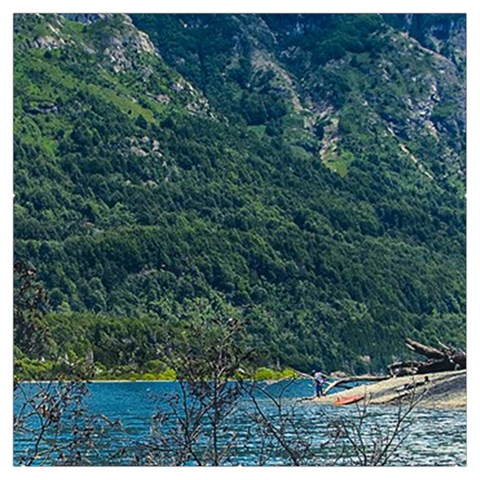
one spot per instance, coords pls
(305, 173)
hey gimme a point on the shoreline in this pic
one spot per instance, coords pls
(445, 390)
(116, 380)
(125, 380)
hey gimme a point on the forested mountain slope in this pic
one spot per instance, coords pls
(303, 172)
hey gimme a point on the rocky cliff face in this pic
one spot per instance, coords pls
(444, 33)
(85, 18)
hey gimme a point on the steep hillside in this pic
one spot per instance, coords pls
(332, 84)
(303, 172)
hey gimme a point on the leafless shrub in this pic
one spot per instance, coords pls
(192, 426)
(53, 426)
(363, 440)
(275, 424)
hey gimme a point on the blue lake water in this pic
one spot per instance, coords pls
(434, 437)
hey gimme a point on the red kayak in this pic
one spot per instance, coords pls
(348, 400)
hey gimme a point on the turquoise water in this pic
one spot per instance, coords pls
(435, 437)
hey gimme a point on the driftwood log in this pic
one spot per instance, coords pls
(438, 360)
(360, 378)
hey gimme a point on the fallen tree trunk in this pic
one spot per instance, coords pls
(443, 360)
(400, 369)
(424, 350)
(460, 359)
(360, 378)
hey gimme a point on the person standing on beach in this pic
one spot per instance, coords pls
(319, 379)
